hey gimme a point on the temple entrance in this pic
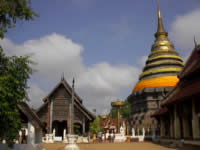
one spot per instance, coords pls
(59, 127)
(44, 129)
(78, 129)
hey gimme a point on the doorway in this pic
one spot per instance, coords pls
(59, 127)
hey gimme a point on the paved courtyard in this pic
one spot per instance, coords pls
(112, 146)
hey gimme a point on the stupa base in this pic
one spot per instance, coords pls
(72, 143)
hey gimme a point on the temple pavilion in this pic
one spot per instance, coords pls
(158, 77)
(55, 111)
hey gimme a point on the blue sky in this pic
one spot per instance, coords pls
(115, 34)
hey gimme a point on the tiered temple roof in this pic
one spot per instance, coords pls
(163, 63)
(159, 76)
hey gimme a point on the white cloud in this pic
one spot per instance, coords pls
(36, 94)
(54, 53)
(142, 61)
(103, 83)
(108, 77)
(184, 28)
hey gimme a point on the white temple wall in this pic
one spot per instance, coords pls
(34, 140)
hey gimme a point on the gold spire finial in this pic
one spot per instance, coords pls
(195, 42)
(159, 14)
(62, 76)
(73, 81)
(160, 28)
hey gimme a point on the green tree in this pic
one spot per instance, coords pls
(124, 110)
(14, 71)
(113, 112)
(13, 10)
(95, 126)
(14, 74)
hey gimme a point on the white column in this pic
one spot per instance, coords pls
(143, 131)
(51, 115)
(64, 134)
(133, 132)
(83, 126)
(31, 134)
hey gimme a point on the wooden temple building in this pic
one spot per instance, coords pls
(55, 112)
(159, 76)
(107, 123)
(179, 115)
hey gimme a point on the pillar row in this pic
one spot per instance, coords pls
(171, 125)
(195, 122)
(176, 123)
(162, 128)
(186, 133)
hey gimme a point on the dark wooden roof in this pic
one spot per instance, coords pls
(189, 84)
(77, 100)
(41, 107)
(192, 65)
(67, 87)
(161, 111)
(183, 93)
(32, 117)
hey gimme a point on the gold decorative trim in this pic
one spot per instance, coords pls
(163, 81)
(165, 56)
(162, 47)
(160, 70)
(163, 62)
(117, 103)
(162, 43)
(163, 51)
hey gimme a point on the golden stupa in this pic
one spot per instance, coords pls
(163, 64)
(158, 77)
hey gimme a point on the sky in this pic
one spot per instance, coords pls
(102, 43)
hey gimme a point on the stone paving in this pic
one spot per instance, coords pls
(112, 146)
